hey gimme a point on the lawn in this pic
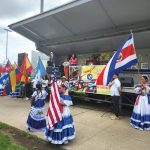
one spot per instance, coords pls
(14, 139)
(6, 143)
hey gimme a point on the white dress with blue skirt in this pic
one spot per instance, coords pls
(36, 120)
(62, 131)
(140, 118)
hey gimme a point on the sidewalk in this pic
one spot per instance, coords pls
(94, 129)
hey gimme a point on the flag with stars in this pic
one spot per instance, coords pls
(5, 81)
(55, 109)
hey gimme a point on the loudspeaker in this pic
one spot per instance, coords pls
(127, 81)
(49, 69)
(20, 58)
(49, 63)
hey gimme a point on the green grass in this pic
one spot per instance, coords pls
(3, 125)
(9, 136)
(6, 144)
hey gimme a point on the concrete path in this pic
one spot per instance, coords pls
(94, 129)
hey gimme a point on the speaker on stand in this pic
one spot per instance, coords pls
(127, 81)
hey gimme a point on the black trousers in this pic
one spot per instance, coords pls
(115, 105)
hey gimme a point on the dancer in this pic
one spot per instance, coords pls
(36, 120)
(62, 131)
(140, 118)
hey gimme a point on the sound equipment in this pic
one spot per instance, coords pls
(49, 63)
(127, 81)
(20, 58)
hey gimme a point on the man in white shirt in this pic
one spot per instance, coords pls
(115, 91)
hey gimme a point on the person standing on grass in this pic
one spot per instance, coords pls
(140, 118)
(115, 91)
(36, 120)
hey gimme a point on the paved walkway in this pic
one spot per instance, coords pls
(94, 129)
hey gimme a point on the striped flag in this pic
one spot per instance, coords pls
(124, 58)
(40, 70)
(55, 109)
(25, 68)
(7, 67)
(13, 78)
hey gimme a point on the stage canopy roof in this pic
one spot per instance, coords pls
(84, 26)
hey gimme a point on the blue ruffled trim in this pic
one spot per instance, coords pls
(140, 122)
(139, 118)
(61, 132)
(36, 125)
(140, 126)
(60, 137)
(35, 130)
(65, 121)
(66, 97)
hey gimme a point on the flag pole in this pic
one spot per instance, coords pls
(52, 58)
(138, 66)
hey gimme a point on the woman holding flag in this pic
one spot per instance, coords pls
(63, 131)
(140, 118)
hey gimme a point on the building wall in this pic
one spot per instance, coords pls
(35, 56)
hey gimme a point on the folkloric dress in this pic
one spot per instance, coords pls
(140, 118)
(36, 120)
(62, 131)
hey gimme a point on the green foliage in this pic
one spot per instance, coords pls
(5, 143)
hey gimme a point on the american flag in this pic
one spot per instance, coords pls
(55, 109)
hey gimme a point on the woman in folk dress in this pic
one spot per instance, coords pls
(36, 120)
(63, 131)
(140, 118)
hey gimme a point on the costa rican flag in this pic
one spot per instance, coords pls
(55, 109)
(124, 58)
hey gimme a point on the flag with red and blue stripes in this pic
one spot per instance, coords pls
(54, 113)
(124, 58)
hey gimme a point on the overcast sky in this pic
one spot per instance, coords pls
(12, 11)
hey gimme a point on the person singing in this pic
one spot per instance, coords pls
(73, 60)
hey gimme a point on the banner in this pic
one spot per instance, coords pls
(82, 79)
(91, 72)
(102, 89)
